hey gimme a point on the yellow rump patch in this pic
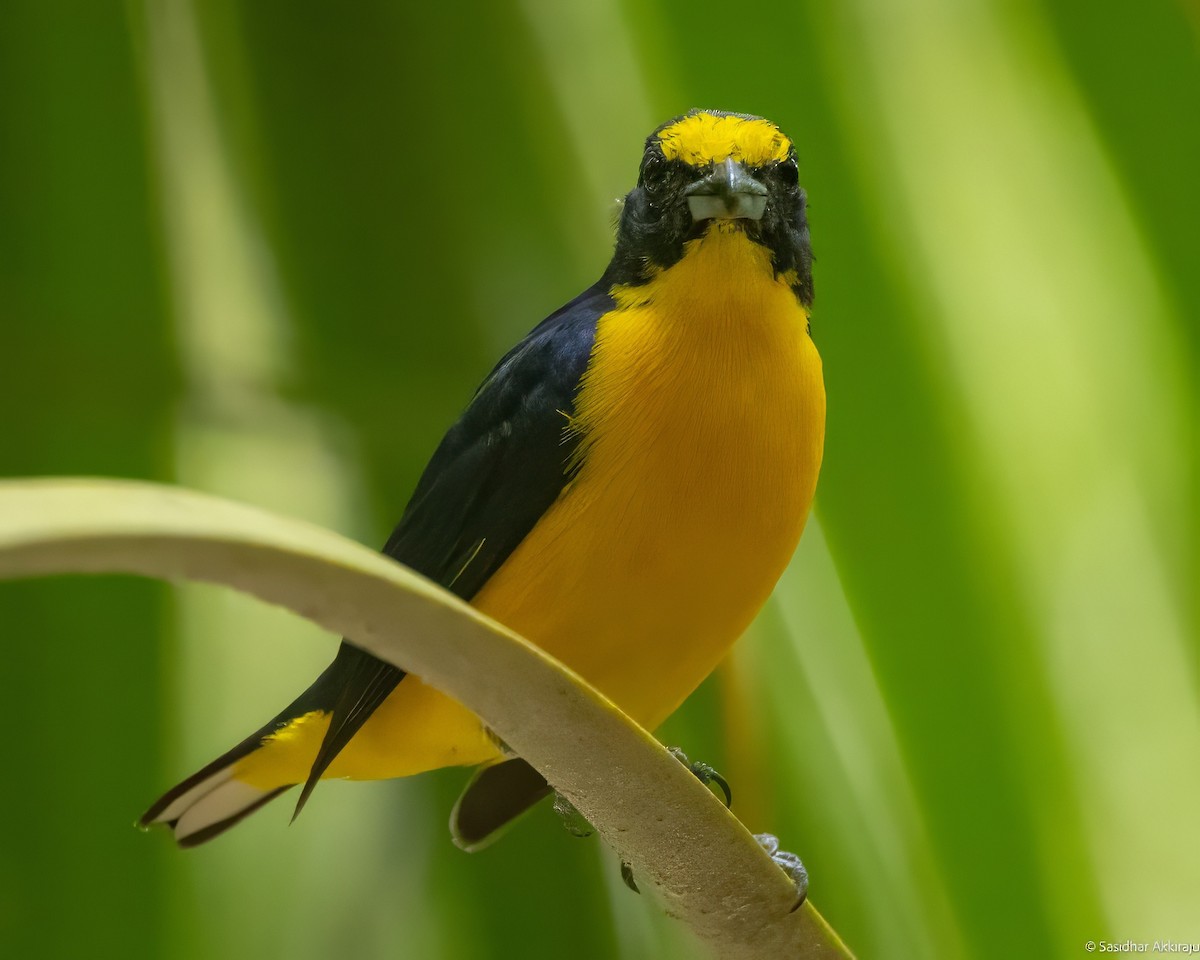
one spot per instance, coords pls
(703, 138)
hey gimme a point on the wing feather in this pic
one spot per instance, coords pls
(491, 478)
(497, 470)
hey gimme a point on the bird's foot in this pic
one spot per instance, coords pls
(576, 824)
(704, 773)
(789, 863)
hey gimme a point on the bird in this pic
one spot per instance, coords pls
(624, 489)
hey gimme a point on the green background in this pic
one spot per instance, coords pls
(268, 249)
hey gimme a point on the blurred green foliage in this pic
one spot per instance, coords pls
(269, 249)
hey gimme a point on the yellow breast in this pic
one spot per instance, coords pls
(702, 421)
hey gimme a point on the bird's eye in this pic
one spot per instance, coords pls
(654, 168)
(789, 172)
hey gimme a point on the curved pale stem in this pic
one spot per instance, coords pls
(701, 863)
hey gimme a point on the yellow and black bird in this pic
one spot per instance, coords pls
(623, 490)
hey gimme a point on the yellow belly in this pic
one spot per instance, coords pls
(702, 417)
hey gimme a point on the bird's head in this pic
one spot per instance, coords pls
(711, 171)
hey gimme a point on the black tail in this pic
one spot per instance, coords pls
(211, 800)
(364, 682)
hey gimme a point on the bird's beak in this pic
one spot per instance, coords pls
(728, 192)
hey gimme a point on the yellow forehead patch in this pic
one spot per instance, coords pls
(703, 138)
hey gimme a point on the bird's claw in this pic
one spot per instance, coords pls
(789, 863)
(704, 773)
(627, 877)
(577, 825)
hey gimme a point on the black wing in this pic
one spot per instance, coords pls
(492, 477)
(505, 461)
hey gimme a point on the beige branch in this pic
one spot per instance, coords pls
(699, 860)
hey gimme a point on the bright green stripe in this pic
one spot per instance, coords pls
(86, 374)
